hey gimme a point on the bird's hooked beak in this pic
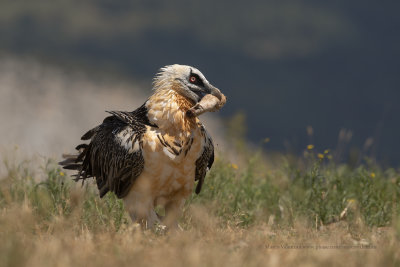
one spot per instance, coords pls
(215, 92)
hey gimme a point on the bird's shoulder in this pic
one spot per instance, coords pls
(120, 122)
(136, 119)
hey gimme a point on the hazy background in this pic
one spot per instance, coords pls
(286, 65)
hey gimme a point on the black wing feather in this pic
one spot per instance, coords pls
(205, 161)
(114, 168)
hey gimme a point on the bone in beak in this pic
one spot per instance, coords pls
(209, 102)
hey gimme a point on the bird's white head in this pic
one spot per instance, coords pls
(186, 81)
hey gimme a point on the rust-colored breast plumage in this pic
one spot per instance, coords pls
(168, 109)
(170, 150)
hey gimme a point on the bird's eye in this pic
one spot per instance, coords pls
(195, 79)
(192, 79)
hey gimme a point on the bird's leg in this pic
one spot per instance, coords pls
(152, 218)
(141, 210)
(173, 210)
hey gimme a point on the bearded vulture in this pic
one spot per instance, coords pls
(153, 155)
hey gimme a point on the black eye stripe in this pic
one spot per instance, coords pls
(198, 80)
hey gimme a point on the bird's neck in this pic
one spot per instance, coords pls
(167, 109)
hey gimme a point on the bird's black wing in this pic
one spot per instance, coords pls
(205, 161)
(114, 154)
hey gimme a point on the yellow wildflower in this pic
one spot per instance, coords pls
(235, 166)
(321, 156)
(351, 201)
(326, 151)
(310, 147)
(62, 174)
(373, 175)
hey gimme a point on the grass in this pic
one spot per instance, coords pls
(318, 192)
(258, 211)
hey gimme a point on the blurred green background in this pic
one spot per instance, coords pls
(285, 64)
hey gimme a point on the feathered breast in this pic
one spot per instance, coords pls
(167, 109)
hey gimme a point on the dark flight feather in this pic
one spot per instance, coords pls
(114, 168)
(205, 161)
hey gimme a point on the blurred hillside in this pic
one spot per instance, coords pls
(285, 64)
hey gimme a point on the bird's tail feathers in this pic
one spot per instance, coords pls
(79, 162)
